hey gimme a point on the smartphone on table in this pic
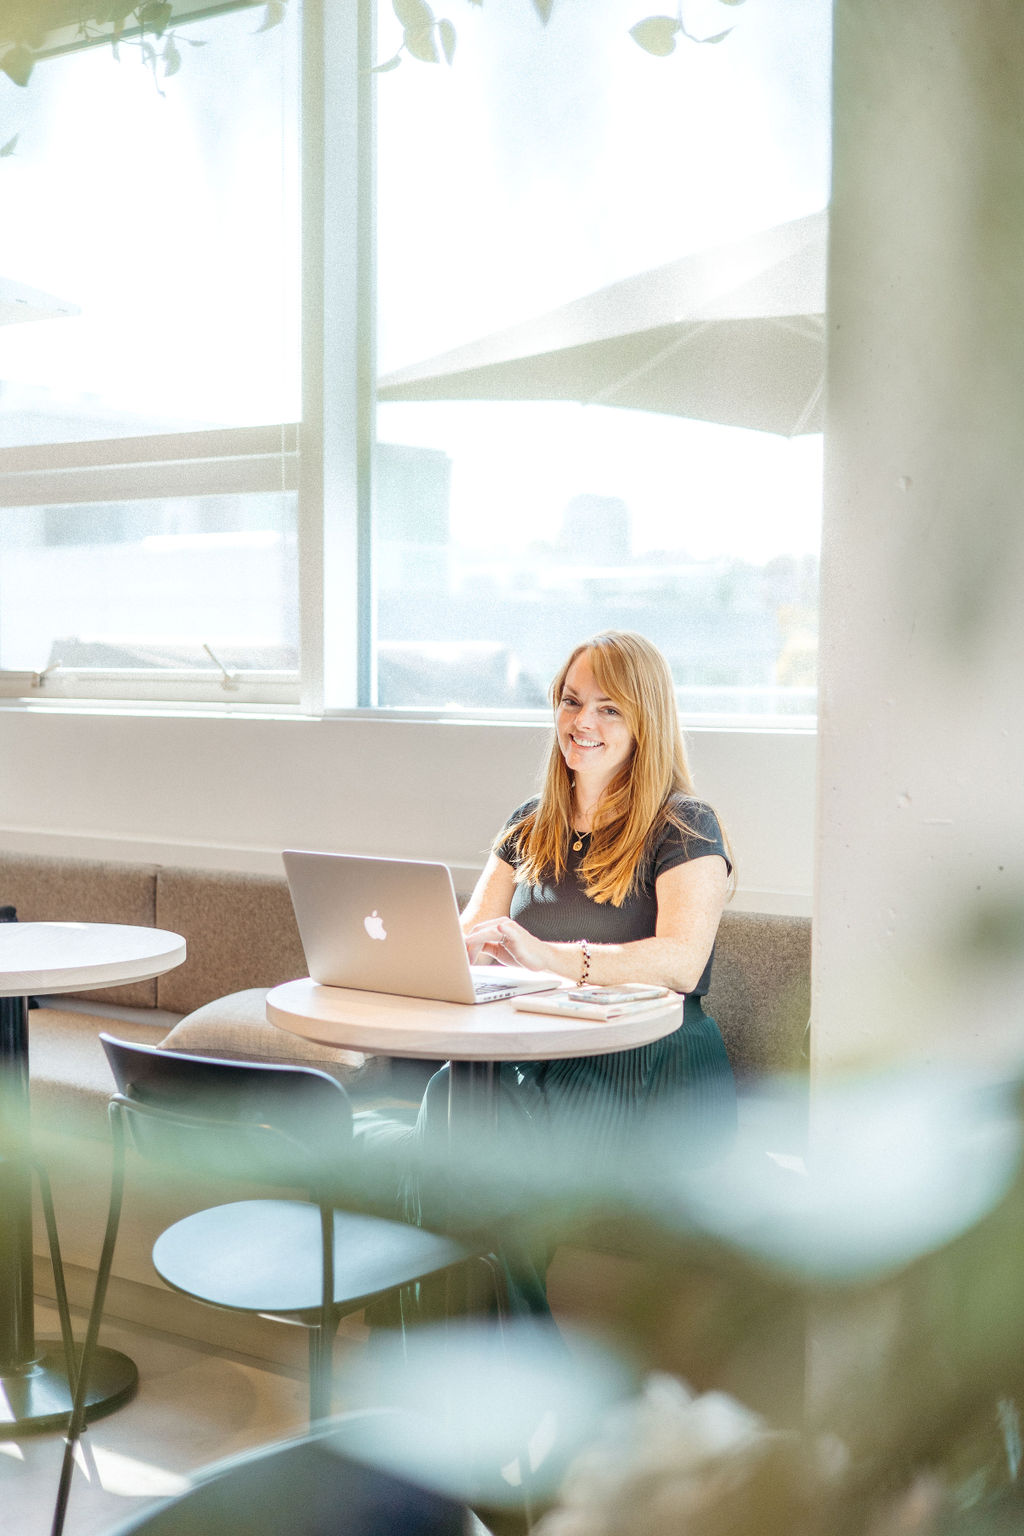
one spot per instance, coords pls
(625, 994)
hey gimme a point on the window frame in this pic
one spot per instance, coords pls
(263, 458)
(208, 463)
(327, 459)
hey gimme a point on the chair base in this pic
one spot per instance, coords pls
(38, 1399)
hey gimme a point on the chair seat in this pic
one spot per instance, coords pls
(264, 1256)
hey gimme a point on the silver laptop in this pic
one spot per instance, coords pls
(392, 925)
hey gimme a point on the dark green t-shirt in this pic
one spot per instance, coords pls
(561, 911)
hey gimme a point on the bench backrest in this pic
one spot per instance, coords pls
(240, 932)
(760, 992)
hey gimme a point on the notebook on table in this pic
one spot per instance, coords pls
(392, 925)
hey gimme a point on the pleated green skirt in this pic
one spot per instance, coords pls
(683, 1079)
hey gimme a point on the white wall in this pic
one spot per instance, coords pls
(919, 914)
(232, 792)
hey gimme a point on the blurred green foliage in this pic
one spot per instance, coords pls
(27, 25)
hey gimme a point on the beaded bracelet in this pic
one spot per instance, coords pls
(585, 946)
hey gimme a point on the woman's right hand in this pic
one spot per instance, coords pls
(505, 941)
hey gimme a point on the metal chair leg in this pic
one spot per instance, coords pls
(321, 1339)
(502, 1311)
(77, 1420)
(57, 1265)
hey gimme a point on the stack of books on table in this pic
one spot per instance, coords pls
(599, 1002)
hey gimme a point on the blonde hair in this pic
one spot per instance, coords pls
(637, 804)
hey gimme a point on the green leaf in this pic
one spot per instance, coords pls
(656, 34)
(382, 69)
(18, 63)
(422, 46)
(414, 15)
(8, 148)
(27, 25)
(544, 9)
(155, 15)
(273, 15)
(717, 37)
(446, 32)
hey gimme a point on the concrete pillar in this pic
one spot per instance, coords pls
(919, 910)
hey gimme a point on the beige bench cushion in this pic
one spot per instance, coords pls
(236, 1027)
(71, 1079)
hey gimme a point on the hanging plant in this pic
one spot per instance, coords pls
(430, 38)
(658, 34)
(28, 28)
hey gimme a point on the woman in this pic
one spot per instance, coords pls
(613, 873)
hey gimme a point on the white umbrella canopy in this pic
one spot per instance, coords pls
(734, 334)
(18, 302)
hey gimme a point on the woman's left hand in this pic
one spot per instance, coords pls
(505, 940)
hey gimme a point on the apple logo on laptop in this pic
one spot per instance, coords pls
(374, 925)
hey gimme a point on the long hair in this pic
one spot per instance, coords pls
(640, 801)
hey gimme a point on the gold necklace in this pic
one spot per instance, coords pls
(579, 836)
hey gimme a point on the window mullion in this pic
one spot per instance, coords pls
(337, 377)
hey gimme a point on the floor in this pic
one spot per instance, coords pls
(194, 1406)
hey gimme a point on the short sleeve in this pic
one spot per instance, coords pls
(506, 849)
(702, 837)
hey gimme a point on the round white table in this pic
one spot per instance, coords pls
(35, 1393)
(473, 1037)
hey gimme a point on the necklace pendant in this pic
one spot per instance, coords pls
(577, 845)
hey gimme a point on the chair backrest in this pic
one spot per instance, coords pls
(303, 1487)
(250, 1120)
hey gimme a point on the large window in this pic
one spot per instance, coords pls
(548, 165)
(150, 281)
(185, 511)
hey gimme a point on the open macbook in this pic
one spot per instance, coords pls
(392, 925)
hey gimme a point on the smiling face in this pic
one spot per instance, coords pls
(593, 736)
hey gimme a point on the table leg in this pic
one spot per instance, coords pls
(35, 1390)
(472, 1113)
(16, 1337)
(472, 1095)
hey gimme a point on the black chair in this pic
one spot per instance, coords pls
(305, 1488)
(306, 1260)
